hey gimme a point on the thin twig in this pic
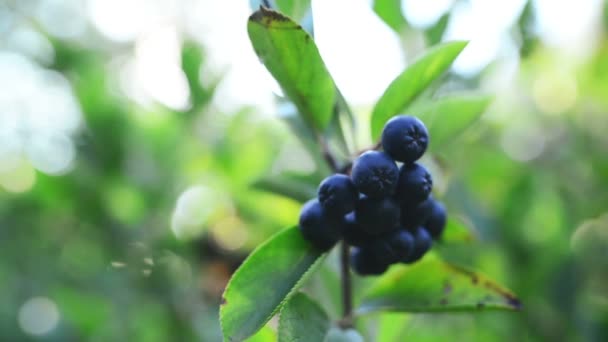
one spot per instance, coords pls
(348, 166)
(328, 156)
(347, 293)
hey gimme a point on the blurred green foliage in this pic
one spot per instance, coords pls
(99, 241)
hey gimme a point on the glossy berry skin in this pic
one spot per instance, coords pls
(435, 223)
(405, 138)
(337, 195)
(375, 174)
(401, 243)
(317, 227)
(415, 215)
(364, 263)
(422, 244)
(393, 247)
(377, 216)
(415, 184)
(353, 233)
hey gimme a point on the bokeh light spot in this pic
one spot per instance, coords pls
(423, 13)
(51, 153)
(523, 142)
(230, 233)
(194, 210)
(19, 178)
(554, 92)
(38, 316)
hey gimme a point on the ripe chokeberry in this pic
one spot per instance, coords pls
(364, 262)
(415, 215)
(401, 243)
(375, 174)
(415, 184)
(353, 233)
(318, 227)
(435, 222)
(377, 216)
(405, 138)
(337, 195)
(392, 247)
(422, 243)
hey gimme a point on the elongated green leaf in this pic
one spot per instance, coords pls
(292, 57)
(302, 320)
(265, 280)
(412, 82)
(434, 33)
(433, 285)
(447, 117)
(390, 12)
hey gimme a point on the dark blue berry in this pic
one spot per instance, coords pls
(364, 262)
(377, 216)
(401, 243)
(435, 223)
(353, 233)
(405, 138)
(415, 184)
(392, 247)
(422, 244)
(375, 174)
(337, 195)
(415, 215)
(317, 227)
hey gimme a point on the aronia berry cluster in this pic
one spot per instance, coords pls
(385, 211)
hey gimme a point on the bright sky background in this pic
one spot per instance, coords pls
(39, 114)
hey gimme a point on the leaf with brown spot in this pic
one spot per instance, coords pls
(293, 59)
(433, 285)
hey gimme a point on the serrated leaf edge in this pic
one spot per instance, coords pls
(285, 299)
(283, 306)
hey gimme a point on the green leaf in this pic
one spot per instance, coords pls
(457, 231)
(192, 60)
(266, 334)
(295, 186)
(296, 9)
(432, 285)
(434, 33)
(292, 57)
(302, 319)
(390, 12)
(447, 117)
(412, 82)
(265, 280)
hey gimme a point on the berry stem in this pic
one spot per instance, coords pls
(348, 166)
(328, 156)
(347, 289)
(347, 293)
